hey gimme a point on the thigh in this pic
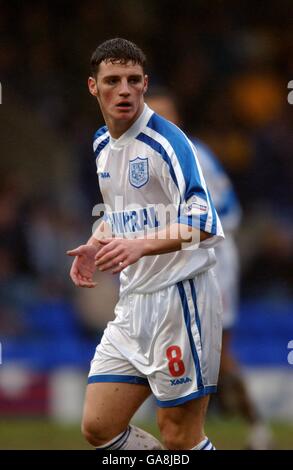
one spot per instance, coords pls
(110, 406)
(115, 390)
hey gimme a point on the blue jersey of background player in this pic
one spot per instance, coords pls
(229, 211)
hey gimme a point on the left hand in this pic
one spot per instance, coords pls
(118, 253)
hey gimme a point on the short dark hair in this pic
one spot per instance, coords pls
(117, 50)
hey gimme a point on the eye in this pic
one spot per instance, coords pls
(134, 80)
(111, 81)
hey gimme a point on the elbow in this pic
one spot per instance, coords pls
(205, 235)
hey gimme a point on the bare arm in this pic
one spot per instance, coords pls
(119, 253)
(172, 238)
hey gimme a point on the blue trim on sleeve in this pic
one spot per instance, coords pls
(193, 221)
(214, 215)
(101, 146)
(132, 379)
(179, 401)
(186, 313)
(102, 130)
(103, 143)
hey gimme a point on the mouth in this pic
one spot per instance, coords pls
(123, 105)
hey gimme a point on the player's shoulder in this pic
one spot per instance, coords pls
(166, 132)
(100, 139)
(100, 132)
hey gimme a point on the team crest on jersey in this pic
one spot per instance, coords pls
(138, 172)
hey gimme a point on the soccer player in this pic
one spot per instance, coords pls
(158, 232)
(232, 393)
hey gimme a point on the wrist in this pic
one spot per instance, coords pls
(145, 246)
(159, 246)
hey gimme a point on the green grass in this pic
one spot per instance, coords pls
(232, 434)
(42, 434)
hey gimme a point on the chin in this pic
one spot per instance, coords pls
(125, 116)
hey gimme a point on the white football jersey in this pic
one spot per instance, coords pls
(151, 167)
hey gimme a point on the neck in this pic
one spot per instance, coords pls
(118, 128)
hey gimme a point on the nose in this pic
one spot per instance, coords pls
(124, 88)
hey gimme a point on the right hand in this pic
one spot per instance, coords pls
(83, 266)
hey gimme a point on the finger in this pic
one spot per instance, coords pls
(109, 256)
(87, 272)
(74, 252)
(87, 279)
(77, 277)
(87, 284)
(76, 281)
(109, 245)
(103, 251)
(112, 263)
(74, 276)
(122, 265)
(83, 281)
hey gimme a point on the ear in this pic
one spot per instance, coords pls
(92, 84)
(146, 84)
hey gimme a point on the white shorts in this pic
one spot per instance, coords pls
(169, 340)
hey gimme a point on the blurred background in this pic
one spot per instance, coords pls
(228, 64)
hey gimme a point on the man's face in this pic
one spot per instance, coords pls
(119, 89)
